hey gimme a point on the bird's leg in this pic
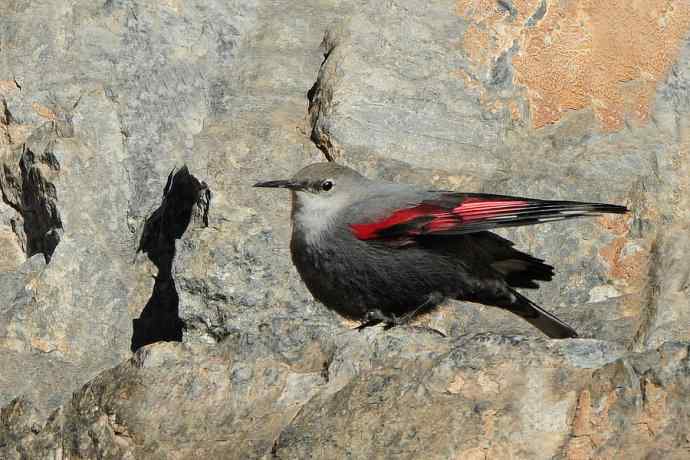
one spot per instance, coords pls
(372, 318)
(432, 299)
(376, 316)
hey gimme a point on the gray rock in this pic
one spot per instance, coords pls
(104, 252)
(67, 184)
(140, 90)
(401, 393)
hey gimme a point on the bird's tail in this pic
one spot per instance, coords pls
(540, 318)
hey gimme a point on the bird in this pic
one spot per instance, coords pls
(384, 252)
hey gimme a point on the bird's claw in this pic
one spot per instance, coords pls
(374, 317)
(365, 324)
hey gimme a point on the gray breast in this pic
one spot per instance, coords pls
(327, 271)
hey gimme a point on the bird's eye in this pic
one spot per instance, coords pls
(326, 185)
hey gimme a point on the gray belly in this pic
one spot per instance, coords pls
(358, 276)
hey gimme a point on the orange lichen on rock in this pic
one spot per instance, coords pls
(492, 30)
(580, 446)
(43, 111)
(626, 266)
(591, 424)
(576, 57)
(491, 12)
(617, 394)
(653, 418)
(8, 87)
(618, 224)
(476, 41)
(470, 82)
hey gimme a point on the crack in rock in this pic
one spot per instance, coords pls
(320, 97)
(185, 198)
(33, 195)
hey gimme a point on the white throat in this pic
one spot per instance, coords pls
(314, 214)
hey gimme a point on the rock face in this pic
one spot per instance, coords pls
(149, 309)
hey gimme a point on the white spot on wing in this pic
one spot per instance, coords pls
(550, 219)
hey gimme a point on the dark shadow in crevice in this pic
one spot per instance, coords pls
(34, 197)
(42, 222)
(184, 196)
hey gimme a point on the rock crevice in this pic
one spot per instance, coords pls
(28, 188)
(185, 199)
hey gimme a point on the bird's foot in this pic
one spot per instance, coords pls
(405, 319)
(366, 324)
(372, 318)
(393, 320)
(432, 300)
(375, 316)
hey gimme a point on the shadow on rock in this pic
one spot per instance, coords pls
(184, 197)
(28, 187)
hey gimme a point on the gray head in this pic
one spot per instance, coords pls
(328, 179)
(319, 192)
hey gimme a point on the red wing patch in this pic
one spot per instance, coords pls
(401, 216)
(429, 218)
(456, 214)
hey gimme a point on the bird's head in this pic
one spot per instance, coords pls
(319, 192)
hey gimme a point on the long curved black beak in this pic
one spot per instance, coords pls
(278, 184)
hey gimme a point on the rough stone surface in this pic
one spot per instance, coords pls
(108, 244)
(405, 394)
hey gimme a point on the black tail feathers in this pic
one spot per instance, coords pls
(540, 318)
